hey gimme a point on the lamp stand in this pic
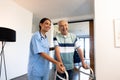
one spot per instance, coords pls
(2, 56)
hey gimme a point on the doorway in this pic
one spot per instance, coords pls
(85, 32)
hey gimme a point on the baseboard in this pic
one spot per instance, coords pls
(22, 77)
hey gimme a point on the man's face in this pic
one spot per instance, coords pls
(63, 27)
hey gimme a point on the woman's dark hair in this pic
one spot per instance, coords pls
(42, 21)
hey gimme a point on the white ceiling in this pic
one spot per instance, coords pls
(54, 9)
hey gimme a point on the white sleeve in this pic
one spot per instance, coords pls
(55, 42)
(77, 43)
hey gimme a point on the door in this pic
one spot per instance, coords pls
(92, 61)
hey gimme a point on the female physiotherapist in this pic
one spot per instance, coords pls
(38, 67)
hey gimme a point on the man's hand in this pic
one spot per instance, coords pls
(60, 67)
(85, 66)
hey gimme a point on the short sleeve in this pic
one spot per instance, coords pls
(36, 45)
(55, 41)
(77, 43)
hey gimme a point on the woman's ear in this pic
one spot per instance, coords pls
(40, 25)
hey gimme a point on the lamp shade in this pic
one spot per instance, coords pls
(7, 34)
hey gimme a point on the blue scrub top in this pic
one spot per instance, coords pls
(38, 66)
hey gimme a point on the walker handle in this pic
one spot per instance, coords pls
(91, 75)
(60, 76)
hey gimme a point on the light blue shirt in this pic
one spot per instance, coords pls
(38, 66)
(67, 45)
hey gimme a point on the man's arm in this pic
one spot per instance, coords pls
(80, 53)
(57, 54)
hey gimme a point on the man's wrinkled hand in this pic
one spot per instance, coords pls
(60, 67)
(85, 66)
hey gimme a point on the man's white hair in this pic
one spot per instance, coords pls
(63, 20)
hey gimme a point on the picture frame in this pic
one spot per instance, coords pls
(117, 33)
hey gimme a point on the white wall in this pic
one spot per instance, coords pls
(16, 53)
(107, 57)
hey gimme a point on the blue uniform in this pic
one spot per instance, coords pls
(38, 67)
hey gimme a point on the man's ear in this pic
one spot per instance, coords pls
(58, 28)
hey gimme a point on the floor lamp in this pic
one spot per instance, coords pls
(6, 35)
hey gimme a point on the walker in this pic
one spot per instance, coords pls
(56, 75)
(91, 75)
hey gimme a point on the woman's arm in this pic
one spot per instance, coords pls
(59, 65)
